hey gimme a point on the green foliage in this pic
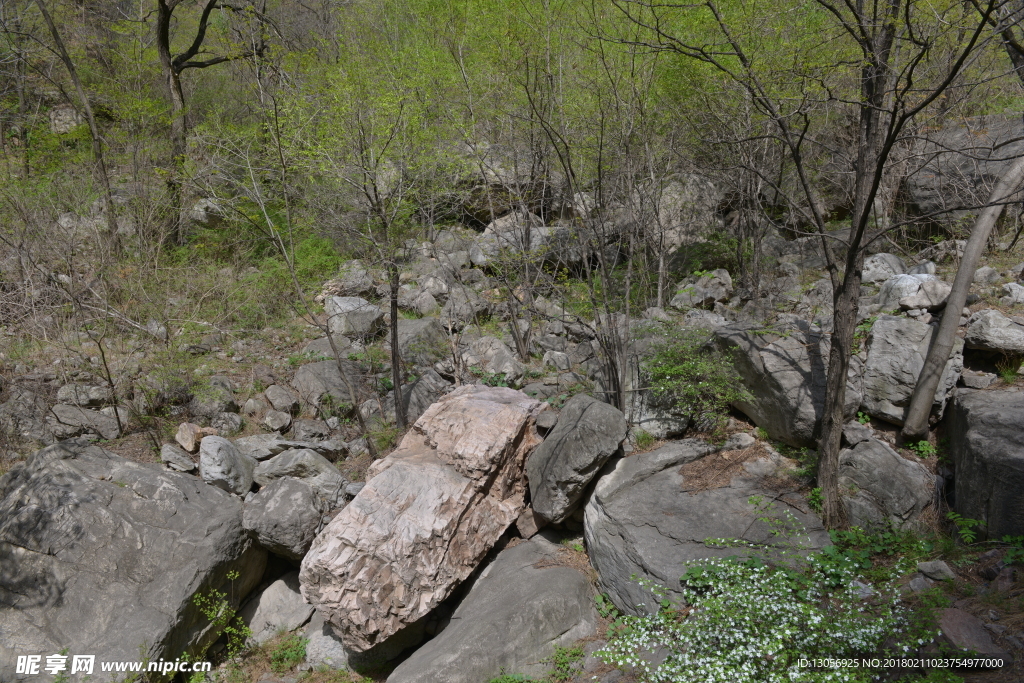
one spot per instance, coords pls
(1007, 367)
(863, 418)
(1015, 553)
(384, 436)
(565, 662)
(573, 545)
(816, 499)
(923, 449)
(216, 607)
(965, 526)
(510, 678)
(693, 376)
(494, 379)
(643, 440)
(288, 654)
(605, 608)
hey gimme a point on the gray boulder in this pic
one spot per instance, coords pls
(315, 381)
(887, 489)
(84, 395)
(66, 422)
(986, 275)
(310, 430)
(492, 356)
(226, 424)
(353, 280)
(217, 397)
(588, 432)
(931, 295)
(277, 608)
(881, 267)
(965, 160)
(319, 349)
(324, 649)
(353, 316)
(523, 605)
(221, 465)
(785, 375)
(900, 287)
(276, 421)
(990, 330)
(103, 555)
(310, 467)
(282, 399)
(703, 291)
(643, 522)
(1013, 294)
(987, 444)
(463, 307)
(897, 348)
(421, 394)
(284, 516)
(422, 341)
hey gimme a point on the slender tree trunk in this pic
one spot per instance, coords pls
(94, 132)
(916, 424)
(396, 358)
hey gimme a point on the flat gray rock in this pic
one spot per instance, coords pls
(315, 381)
(353, 316)
(67, 421)
(177, 458)
(641, 520)
(103, 555)
(517, 612)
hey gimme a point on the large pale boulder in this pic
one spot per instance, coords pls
(646, 519)
(881, 488)
(897, 348)
(85, 395)
(588, 432)
(102, 555)
(785, 376)
(900, 287)
(523, 606)
(428, 514)
(987, 444)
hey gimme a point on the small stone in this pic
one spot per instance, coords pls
(352, 490)
(282, 399)
(936, 569)
(190, 435)
(738, 442)
(977, 380)
(254, 406)
(546, 421)
(919, 584)
(176, 458)
(277, 421)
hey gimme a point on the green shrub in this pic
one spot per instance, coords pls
(752, 619)
(289, 653)
(696, 378)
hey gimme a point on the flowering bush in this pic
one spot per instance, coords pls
(745, 621)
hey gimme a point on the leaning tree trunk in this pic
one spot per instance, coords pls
(915, 426)
(396, 357)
